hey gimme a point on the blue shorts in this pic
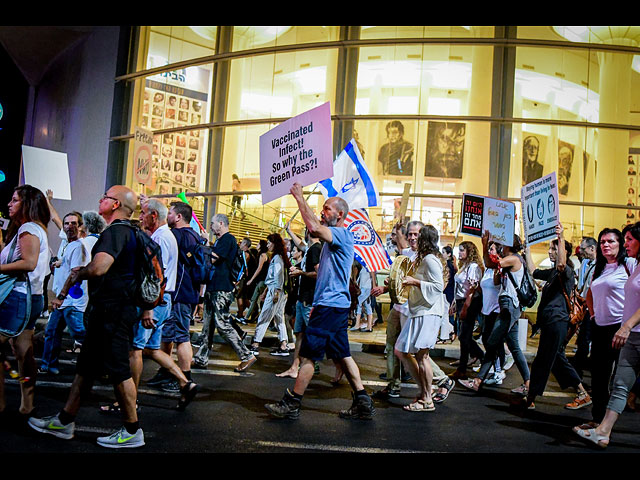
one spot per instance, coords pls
(302, 317)
(13, 310)
(151, 337)
(326, 334)
(176, 327)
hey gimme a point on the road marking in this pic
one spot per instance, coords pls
(335, 448)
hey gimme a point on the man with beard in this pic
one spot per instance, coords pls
(327, 328)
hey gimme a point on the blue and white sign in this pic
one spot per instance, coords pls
(540, 212)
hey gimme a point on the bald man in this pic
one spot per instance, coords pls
(111, 316)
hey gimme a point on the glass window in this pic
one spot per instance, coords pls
(281, 85)
(175, 44)
(250, 37)
(373, 32)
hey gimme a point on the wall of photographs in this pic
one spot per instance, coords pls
(633, 196)
(178, 158)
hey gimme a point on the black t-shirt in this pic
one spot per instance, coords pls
(553, 305)
(226, 248)
(308, 285)
(185, 291)
(118, 284)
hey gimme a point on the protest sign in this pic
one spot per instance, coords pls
(540, 213)
(297, 150)
(46, 169)
(142, 145)
(480, 214)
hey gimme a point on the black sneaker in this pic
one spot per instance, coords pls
(254, 350)
(171, 387)
(288, 407)
(386, 393)
(361, 408)
(159, 378)
(280, 352)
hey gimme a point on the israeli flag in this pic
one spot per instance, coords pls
(351, 180)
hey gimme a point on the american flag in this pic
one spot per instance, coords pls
(369, 250)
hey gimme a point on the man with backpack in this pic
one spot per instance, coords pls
(185, 298)
(219, 296)
(112, 312)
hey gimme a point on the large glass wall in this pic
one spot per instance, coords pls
(473, 114)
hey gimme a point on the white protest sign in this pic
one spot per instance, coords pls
(46, 169)
(142, 146)
(540, 213)
(297, 150)
(480, 214)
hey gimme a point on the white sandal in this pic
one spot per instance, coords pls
(591, 435)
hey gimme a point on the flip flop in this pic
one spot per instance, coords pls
(420, 406)
(188, 394)
(590, 435)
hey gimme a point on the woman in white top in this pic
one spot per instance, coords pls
(364, 300)
(470, 271)
(605, 299)
(505, 328)
(426, 308)
(27, 234)
(275, 298)
(627, 339)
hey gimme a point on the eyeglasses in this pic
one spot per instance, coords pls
(105, 196)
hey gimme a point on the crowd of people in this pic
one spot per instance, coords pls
(312, 293)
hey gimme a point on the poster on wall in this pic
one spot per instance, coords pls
(565, 165)
(540, 212)
(298, 150)
(175, 99)
(480, 214)
(533, 151)
(445, 149)
(142, 148)
(395, 156)
(633, 160)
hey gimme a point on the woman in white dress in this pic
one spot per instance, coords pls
(427, 306)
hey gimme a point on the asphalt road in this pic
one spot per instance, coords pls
(228, 416)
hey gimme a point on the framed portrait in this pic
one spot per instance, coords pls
(395, 156)
(533, 150)
(565, 166)
(445, 149)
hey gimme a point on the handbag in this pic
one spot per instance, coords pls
(577, 307)
(7, 283)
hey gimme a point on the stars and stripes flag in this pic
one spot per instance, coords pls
(369, 250)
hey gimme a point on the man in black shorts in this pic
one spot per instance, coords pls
(111, 317)
(326, 332)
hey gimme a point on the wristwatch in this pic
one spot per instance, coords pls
(61, 297)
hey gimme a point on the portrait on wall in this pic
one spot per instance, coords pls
(565, 164)
(445, 149)
(396, 154)
(533, 147)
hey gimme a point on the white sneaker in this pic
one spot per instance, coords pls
(52, 426)
(508, 362)
(496, 379)
(122, 439)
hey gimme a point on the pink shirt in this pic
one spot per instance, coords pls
(608, 292)
(632, 297)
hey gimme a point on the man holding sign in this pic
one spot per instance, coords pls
(326, 332)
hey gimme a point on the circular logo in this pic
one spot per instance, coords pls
(363, 233)
(530, 213)
(540, 208)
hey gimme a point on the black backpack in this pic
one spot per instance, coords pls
(149, 271)
(526, 291)
(199, 260)
(238, 267)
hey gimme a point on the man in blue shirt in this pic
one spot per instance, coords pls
(326, 332)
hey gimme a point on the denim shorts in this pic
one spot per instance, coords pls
(302, 317)
(326, 333)
(176, 327)
(151, 337)
(13, 310)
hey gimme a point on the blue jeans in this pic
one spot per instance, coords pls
(13, 311)
(59, 319)
(302, 317)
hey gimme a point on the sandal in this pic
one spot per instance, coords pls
(591, 435)
(586, 426)
(188, 394)
(420, 406)
(448, 386)
(469, 385)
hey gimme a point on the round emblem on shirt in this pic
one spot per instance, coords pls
(363, 233)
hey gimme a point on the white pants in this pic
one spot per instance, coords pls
(271, 310)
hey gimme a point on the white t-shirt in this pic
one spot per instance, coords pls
(468, 274)
(608, 293)
(490, 293)
(74, 255)
(36, 277)
(169, 246)
(507, 288)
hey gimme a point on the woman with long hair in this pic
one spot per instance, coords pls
(470, 272)
(26, 252)
(427, 306)
(275, 298)
(505, 328)
(605, 299)
(257, 279)
(627, 340)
